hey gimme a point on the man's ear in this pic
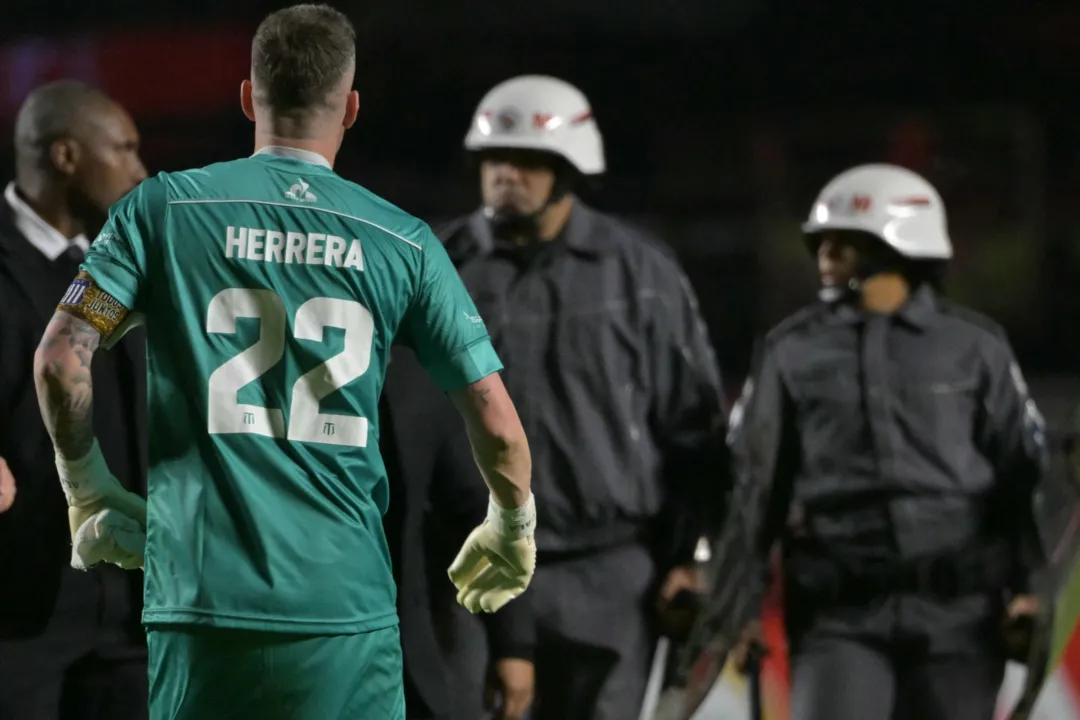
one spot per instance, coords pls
(64, 155)
(352, 109)
(247, 102)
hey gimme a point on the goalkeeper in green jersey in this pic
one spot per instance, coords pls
(272, 290)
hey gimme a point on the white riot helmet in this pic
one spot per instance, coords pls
(894, 204)
(538, 112)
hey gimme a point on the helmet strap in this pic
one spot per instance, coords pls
(515, 226)
(874, 258)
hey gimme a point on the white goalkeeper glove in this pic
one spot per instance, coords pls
(108, 536)
(497, 561)
(107, 522)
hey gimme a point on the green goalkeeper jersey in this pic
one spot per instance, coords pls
(272, 290)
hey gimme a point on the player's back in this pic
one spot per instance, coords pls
(273, 297)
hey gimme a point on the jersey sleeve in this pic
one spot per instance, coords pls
(117, 258)
(443, 327)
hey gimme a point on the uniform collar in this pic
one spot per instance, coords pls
(920, 308)
(582, 234)
(307, 156)
(49, 241)
(917, 312)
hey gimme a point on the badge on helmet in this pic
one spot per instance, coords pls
(542, 113)
(891, 203)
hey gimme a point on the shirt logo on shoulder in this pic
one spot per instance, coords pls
(474, 319)
(300, 193)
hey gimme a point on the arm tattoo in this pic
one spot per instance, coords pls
(481, 395)
(64, 385)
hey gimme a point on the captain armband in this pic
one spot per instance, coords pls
(89, 303)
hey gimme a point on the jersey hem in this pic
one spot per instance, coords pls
(191, 616)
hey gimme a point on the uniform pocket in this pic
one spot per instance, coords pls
(826, 386)
(934, 388)
(945, 403)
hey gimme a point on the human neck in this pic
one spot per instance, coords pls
(51, 205)
(884, 293)
(325, 147)
(554, 219)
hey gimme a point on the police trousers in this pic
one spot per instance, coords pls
(841, 678)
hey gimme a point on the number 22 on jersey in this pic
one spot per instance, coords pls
(306, 423)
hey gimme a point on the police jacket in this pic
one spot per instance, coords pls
(912, 433)
(611, 369)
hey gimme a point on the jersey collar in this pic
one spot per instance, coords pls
(294, 154)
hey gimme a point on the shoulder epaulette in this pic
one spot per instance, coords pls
(796, 321)
(447, 231)
(972, 317)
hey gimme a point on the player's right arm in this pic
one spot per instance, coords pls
(497, 561)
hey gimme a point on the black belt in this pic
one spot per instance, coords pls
(616, 535)
(832, 581)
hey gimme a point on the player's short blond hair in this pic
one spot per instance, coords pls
(299, 56)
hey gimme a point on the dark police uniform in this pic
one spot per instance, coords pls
(611, 370)
(896, 458)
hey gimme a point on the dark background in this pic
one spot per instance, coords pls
(722, 119)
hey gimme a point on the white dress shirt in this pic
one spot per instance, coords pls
(50, 241)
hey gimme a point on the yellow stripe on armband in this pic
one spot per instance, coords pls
(97, 308)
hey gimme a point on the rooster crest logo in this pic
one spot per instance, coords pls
(300, 192)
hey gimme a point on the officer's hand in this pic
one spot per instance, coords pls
(753, 635)
(679, 599)
(1019, 627)
(684, 577)
(510, 688)
(7, 486)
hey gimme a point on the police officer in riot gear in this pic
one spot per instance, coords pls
(607, 355)
(887, 440)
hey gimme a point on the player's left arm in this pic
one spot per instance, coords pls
(86, 315)
(95, 312)
(106, 521)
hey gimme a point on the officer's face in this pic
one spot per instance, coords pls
(837, 258)
(516, 181)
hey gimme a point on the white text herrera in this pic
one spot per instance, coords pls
(292, 248)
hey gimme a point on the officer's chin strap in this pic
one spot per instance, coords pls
(525, 227)
(514, 226)
(850, 291)
(836, 293)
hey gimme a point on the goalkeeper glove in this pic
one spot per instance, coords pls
(497, 561)
(106, 521)
(108, 536)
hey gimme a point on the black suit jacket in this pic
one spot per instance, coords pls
(35, 542)
(437, 498)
